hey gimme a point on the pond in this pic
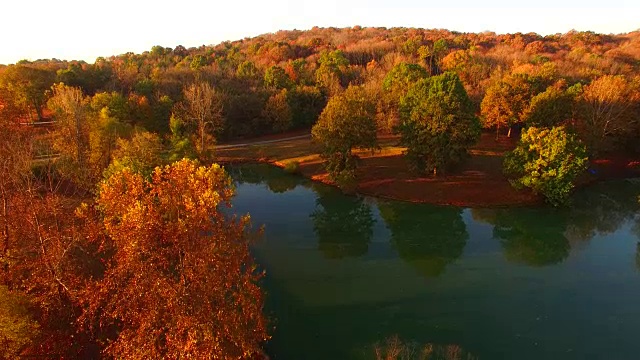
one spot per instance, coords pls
(347, 275)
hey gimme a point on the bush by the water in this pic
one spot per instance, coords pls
(292, 167)
(547, 161)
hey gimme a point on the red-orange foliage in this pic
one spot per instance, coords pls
(181, 282)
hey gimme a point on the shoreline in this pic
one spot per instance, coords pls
(323, 179)
(383, 174)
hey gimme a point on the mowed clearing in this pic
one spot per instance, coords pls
(478, 182)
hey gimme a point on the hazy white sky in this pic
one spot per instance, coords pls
(85, 29)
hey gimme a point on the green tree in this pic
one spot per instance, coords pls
(181, 145)
(85, 133)
(395, 86)
(548, 161)
(401, 77)
(332, 71)
(306, 104)
(275, 77)
(198, 62)
(347, 122)
(549, 108)
(432, 55)
(104, 131)
(247, 70)
(114, 102)
(438, 123)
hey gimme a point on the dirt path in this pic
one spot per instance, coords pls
(231, 146)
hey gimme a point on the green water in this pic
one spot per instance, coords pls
(346, 273)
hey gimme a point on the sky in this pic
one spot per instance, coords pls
(85, 30)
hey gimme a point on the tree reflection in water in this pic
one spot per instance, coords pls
(343, 224)
(545, 236)
(528, 236)
(273, 177)
(426, 236)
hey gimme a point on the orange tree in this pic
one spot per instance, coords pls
(180, 281)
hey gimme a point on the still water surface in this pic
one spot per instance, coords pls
(346, 274)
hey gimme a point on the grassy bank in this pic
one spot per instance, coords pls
(384, 173)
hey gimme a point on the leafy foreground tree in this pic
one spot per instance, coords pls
(181, 282)
(347, 122)
(547, 161)
(438, 123)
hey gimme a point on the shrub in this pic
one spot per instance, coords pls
(292, 167)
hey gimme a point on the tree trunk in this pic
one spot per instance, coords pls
(5, 229)
(509, 133)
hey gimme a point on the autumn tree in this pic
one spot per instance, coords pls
(606, 112)
(438, 124)
(181, 281)
(16, 152)
(547, 161)
(141, 154)
(347, 122)
(85, 137)
(28, 85)
(277, 112)
(202, 109)
(505, 102)
(71, 132)
(41, 263)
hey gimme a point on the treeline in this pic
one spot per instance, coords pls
(281, 81)
(586, 82)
